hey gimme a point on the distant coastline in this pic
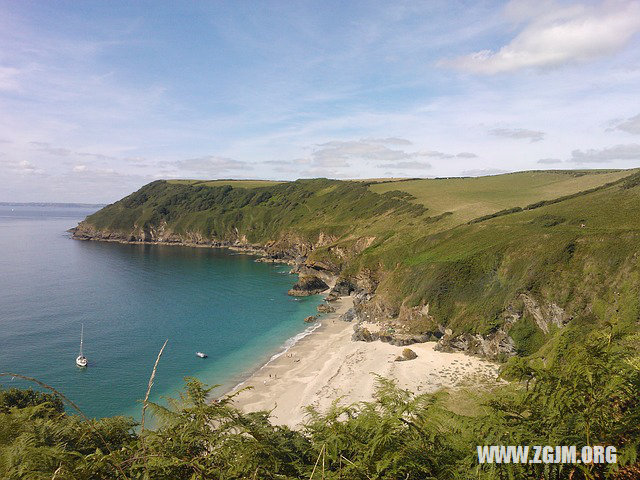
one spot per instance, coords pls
(52, 204)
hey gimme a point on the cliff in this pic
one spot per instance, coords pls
(511, 281)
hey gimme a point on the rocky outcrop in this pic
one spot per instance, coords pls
(349, 315)
(343, 287)
(407, 354)
(544, 315)
(495, 346)
(326, 308)
(363, 334)
(310, 319)
(306, 286)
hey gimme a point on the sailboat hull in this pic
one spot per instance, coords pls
(81, 361)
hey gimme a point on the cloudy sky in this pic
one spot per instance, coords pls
(99, 98)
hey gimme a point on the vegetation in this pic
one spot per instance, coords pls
(588, 398)
(564, 239)
(549, 257)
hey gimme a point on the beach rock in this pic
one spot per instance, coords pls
(332, 297)
(306, 286)
(403, 339)
(343, 287)
(363, 335)
(326, 308)
(497, 345)
(407, 354)
(348, 316)
(310, 319)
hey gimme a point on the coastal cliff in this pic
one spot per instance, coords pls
(520, 281)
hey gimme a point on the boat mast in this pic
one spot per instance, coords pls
(81, 335)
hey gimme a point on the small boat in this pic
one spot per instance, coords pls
(201, 355)
(81, 361)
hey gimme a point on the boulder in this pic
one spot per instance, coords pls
(332, 297)
(343, 288)
(407, 354)
(306, 286)
(310, 319)
(349, 315)
(326, 308)
(363, 335)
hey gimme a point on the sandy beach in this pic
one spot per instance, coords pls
(327, 365)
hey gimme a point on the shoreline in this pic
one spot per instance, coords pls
(256, 250)
(238, 381)
(325, 365)
(322, 365)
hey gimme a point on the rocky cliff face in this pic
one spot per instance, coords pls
(308, 285)
(318, 277)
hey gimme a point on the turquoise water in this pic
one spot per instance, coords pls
(131, 298)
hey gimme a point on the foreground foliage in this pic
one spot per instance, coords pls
(588, 397)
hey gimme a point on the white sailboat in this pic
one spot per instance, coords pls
(81, 361)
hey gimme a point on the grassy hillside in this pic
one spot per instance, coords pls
(469, 198)
(533, 255)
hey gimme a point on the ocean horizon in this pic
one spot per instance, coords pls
(130, 299)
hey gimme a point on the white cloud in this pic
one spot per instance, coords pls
(80, 168)
(209, 165)
(436, 154)
(549, 161)
(630, 125)
(481, 172)
(518, 133)
(556, 36)
(414, 165)
(389, 141)
(22, 167)
(336, 153)
(618, 152)
(339, 153)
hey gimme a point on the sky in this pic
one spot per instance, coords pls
(99, 98)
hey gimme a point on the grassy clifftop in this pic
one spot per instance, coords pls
(516, 263)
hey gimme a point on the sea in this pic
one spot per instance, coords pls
(130, 299)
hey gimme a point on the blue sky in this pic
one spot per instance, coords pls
(99, 98)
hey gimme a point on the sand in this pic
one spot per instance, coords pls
(327, 365)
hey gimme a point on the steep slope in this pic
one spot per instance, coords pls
(511, 279)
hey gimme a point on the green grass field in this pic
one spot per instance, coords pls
(469, 198)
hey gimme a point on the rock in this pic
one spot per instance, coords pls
(348, 316)
(306, 286)
(343, 288)
(409, 354)
(326, 308)
(363, 335)
(332, 297)
(401, 340)
(310, 319)
(494, 346)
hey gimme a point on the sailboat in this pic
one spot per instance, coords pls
(81, 361)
